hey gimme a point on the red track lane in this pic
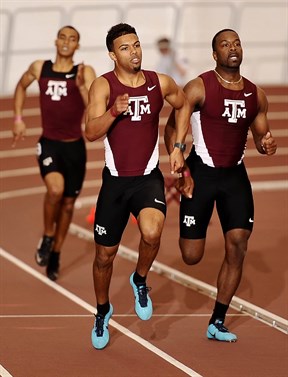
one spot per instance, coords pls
(45, 327)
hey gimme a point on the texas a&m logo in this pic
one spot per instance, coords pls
(234, 109)
(137, 107)
(56, 89)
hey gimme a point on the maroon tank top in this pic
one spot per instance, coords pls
(131, 144)
(62, 106)
(221, 125)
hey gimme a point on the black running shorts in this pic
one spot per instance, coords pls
(120, 196)
(67, 158)
(229, 188)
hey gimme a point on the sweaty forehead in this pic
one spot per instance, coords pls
(68, 32)
(126, 39)
(227, 36)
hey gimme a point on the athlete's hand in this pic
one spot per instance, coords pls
(19, 131)
(185, 183)
(268, 144)
(121, 104)
(176, 161)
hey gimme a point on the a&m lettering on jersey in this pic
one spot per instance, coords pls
(56, 89)
(234, 109)
(137, 107)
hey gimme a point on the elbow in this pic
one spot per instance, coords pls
(89, 136)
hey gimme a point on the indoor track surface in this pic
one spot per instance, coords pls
(46, 326)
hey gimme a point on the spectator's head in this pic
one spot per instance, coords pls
(164, 45)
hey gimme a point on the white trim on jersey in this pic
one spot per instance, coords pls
(153, 161)
(199, 143)
(109, 159)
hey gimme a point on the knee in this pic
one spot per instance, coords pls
(236, 245)
(68, 207)
(103, 257)
(190, 254)
(151, 236)
(55, 194)
(189, 257)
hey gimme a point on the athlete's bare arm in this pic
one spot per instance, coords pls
(175, 96)
(85, 76)
(195, 94)
(263, 139)
(32, 74)
(98, 120)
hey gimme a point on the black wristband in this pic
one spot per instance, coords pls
(181, 146)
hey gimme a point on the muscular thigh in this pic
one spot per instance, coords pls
(235, 200)
(48, 156)
(112, 211)
(120, 196)
(196, 213)
(67, 159)
(148, 193)
(73, 165)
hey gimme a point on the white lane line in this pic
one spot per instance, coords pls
(31, 152)
(77, 300)
(41, 190)
(280, 185)
(36, 131)
(200, 315)
(270, 185)
(91, 165)
(238, 304)
(4, 372)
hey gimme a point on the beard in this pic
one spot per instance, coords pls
(137, 69)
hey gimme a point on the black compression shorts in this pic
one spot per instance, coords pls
(229, 188)
(120, 196)
(67, 158)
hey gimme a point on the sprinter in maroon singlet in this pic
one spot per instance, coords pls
(224, 106)
(61, 148)
(124, 107)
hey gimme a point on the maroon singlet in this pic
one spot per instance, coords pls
(131, 144)
(62, 106)
(221, 126)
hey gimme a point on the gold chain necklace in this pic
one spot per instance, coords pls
(227, 82)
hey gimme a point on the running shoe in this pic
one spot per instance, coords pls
(143, 303)
(44, 250)
(52, 269)
(100, 332)
(218, 331)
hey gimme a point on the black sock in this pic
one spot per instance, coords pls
(103, 309)
(219, 312)
(54, 259)
(138, 279)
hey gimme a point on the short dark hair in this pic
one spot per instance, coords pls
(216, 35)
(69, 27)
(117, 31)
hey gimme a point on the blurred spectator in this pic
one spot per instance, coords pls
(169, 62)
